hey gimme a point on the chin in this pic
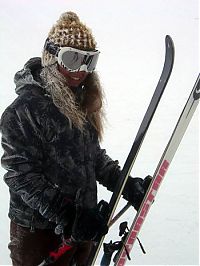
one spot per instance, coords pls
(74, 83)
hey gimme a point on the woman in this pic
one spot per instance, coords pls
(50, 137)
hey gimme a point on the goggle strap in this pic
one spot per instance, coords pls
(51, 47)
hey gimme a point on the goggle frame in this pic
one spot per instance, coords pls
(87, 59)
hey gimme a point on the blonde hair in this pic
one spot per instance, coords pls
(90, 105)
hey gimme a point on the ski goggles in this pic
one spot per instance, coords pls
(72, 59)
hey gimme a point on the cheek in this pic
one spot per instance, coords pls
(63, 72)
(84, 76)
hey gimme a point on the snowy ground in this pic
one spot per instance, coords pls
(130, 35)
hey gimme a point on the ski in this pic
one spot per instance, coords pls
(160, 172)
(166, 72)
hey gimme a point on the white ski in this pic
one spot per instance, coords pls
(160, 172)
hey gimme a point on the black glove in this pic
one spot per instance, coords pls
(135, 190)
(65, 214)
(90, 224)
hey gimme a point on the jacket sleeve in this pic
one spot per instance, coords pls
(107, 170)
(23, 160)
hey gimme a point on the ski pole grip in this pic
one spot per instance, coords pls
(59, 229)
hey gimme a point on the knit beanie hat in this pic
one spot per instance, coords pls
(71, 32)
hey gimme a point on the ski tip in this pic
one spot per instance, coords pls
(196, 93)
(168, 40)
(168, 37)
(169, 44)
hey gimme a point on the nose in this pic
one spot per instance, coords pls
(83, 68)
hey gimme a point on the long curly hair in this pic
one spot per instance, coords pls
(87, 105)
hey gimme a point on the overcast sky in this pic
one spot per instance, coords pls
(130, 35)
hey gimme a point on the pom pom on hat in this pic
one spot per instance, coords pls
(71, 32)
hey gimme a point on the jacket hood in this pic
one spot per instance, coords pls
(29, 75)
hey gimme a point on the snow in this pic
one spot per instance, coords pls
(130, 36)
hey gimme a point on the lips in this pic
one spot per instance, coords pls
(73, 79)
(79, 76)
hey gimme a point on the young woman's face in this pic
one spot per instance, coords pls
(73, 79)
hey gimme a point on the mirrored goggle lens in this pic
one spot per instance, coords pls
(91, 62)
(74, 60)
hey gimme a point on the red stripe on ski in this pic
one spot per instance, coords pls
(143, 212)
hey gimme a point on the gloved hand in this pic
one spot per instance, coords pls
(66, 212)
(135, 190)
(90, 224)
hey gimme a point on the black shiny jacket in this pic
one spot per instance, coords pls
(46, 159)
